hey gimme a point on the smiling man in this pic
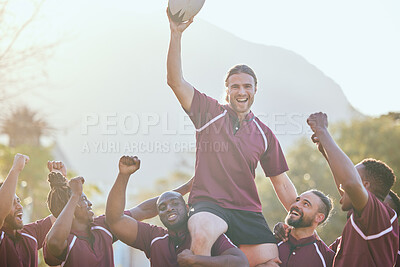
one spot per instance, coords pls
(164, 247)
(300, 246)
(19, 243)
(224, 196)
(371, 234)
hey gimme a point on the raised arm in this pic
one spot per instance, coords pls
(7, 190)
(284, 189)
(321, 149)
(124, 227)
(343, 170)
(232, 257)
(57, 237)
(183, 90)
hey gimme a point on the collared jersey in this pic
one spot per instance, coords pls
(83, 249)
(306, 252)
(371, 238)
(21, 250)
(227, 156)
(162, 247)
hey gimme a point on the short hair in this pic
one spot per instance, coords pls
(396, 200)
(326, 206)
(59, 193)
(240, 69)
(380, 175)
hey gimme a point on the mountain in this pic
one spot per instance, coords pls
(108, 94)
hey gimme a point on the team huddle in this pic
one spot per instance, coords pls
(222, 224)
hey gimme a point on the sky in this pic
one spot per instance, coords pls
(356, 43)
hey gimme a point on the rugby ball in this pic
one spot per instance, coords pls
(183, 10)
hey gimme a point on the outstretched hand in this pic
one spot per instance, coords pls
(20, 161)
(57, 166)
(129, 164)
(318, 121)
(178, 26)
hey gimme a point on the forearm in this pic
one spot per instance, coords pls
(284, 189)
(174, 60)
(341, 166)
(7, 193)
(145, 210)
(116, 199)
(185, 188)
(59, 232)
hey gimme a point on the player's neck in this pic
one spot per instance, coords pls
(242, 115)
(80, 226)
(303, 232)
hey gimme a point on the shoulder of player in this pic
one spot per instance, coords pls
(263, 126)
(154, 230)
(206, 97)
(380, 206)
(43, 224)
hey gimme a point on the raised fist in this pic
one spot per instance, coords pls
(20, 161)
(57, 166)
(76, 185)
(129, 164)
(318, 121)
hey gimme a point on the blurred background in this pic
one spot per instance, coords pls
(85, 82)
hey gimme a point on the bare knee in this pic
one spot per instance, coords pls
(261, 255)
(204, 230)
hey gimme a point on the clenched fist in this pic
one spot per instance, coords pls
(129, 164)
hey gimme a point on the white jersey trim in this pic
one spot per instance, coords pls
(320, 255)
(102, 228)
(263, 135)
(280, 243)
(25, 234)
(394, 217)
(1, 237)
(158, 238)
(211, 121)
(69, 250)
(230, 241)
(370, 237)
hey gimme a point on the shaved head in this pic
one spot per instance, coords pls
(168, 195)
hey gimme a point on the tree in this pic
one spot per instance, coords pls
(23, 126)
(21, 60)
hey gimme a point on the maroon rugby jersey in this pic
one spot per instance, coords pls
(371, 239)
(21, 251)
(225, 160)
(335, 244)
(398, 253)
(306, 252)
(79, 251)
(162, 247)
